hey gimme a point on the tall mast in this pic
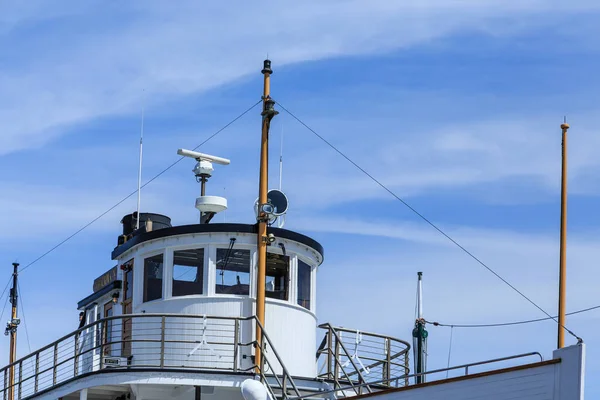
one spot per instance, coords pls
(11, 329)
(267, 115)
(420, 336)
(562, 280)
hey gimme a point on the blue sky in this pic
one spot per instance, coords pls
(456, 106)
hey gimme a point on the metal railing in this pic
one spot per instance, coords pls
(354, 360)
(389, 381)
(161, 341)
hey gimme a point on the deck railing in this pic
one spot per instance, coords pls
(354, 359)
(149, 341)
(431, 376)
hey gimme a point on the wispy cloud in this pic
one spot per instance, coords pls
(118, 52)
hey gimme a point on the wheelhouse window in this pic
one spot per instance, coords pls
(304, 284)
(153, 277)
(188, 272)
(278, 275)
(233, 271)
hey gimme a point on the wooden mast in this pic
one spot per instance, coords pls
(563, 242)
(11, 328)
(268, 113)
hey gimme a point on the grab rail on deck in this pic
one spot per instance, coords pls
(387, 382)
(373, 357)
(162, 341)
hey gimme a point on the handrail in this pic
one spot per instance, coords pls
(264, 341)
(118, 317)
(160, 341)
(327, 325)
(383, 381)
(383, 354)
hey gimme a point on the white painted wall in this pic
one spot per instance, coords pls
(291, 327)
(560, 381)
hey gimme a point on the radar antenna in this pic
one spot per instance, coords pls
(207, 205)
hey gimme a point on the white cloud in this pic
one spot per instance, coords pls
(110, 54)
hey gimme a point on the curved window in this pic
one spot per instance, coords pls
(278, 276)
(304, 284)
(188, 272)
(153, 277)
(233, 271)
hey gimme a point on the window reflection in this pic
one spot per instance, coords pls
(233, 271)
(278, 274)
(188, 272)
(304, 284)
(153, 273)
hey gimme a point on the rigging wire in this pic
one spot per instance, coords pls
(6, 288)
(136, 190)
(4, 308)
(429, 222)
(23, 312)
(449, 350)
(529, 321)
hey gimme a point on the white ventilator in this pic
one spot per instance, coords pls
(254, 390)
(355, 357)
(203, 343)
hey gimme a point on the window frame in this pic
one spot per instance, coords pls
(214, 269)
(166, 260)
(205, 268)
(290, 274)
(310, 284)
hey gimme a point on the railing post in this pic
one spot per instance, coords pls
(37, 372)
(329, 353)
(55, 362)
(236, 341)
(263, 346)
(102, 338)
(336, 354)
(75, 363)
(406, 370)
(388, 360)
(5, 384)
(20, 378)
(467, 370)
(162, 342)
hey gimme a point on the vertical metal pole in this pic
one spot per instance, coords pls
(336, 367)
(54, 371)
(329, 353)
(75, 363)
(406, 368)
(388, 362)
(139, 191)
(37, 372)
(268, 113)
(20, 378)
(12, 328)
(162, 342)
(236, 341)
(562, 280)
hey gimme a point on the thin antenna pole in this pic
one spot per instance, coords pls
(420, 336)
(267, 115)
(420, 297)
(562, 280)
(11, 328)
(139, 191)
(281, 159)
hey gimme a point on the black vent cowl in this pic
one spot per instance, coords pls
(129, 222)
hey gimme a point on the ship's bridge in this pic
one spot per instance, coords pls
(208, 269)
